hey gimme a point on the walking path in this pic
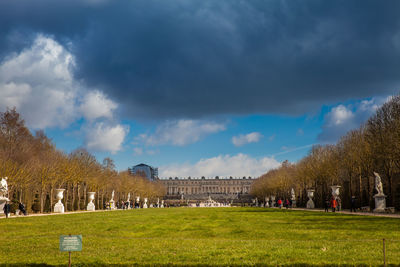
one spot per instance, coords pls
(397, 215)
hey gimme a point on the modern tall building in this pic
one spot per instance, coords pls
(147, 171)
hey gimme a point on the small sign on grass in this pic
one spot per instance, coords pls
(70, 243)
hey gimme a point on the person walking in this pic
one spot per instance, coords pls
(287, 203)
(326, 205)
(279, 203)
(7, 209)
(333, 204)
(339, 204)
(21, 207)
(353, 204)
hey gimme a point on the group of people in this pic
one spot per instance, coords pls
(7, 208)
(335, 203)
(279, 203)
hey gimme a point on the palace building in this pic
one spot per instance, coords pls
(199, 188)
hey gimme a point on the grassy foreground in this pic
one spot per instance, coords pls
(202, 236)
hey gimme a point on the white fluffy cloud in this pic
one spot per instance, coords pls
(241, 140)
(341, 119)
(103, 137)
(223, 165)
(96, 105)
(181, 132)
(39, 83)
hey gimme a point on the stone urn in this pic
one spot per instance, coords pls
(335, 190)
(145, 203)
(59, 206)
(90, 205)
(272, 201)
(310, 202)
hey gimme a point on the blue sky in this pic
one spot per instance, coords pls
(228, 88)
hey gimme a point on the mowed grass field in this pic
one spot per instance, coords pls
(202, 236)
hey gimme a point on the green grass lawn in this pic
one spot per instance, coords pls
(202, 236)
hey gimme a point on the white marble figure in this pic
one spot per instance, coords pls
(292, 194)
(378, 185)
(335, 190)
(59, 206)
(310, 202)
(3, 193)
(90, 205)
(158, 202)
(112, 202)
(129, 197)
(4, 188)
(380, 198)
(145, 203)
(162, 203)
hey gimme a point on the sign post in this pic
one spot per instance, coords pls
(70, 243)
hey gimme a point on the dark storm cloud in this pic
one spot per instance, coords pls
(198, 58)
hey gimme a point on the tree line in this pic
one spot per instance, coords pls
(35, 168)
(350, 163)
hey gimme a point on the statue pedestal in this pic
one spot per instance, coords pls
(59, 207)
(380, 203)
(112, 205)
(310, 204)
(293, 203)
(90, 207)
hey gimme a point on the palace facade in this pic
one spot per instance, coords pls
(197, 188)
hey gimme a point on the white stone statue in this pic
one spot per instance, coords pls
(3, 193)
(378, 184)
(59, 206)
(292, 194)
(112, 202)
(90, 205)
(380, 198)
(145, 203)
(158, 202)
(267, 202)
(4, 187)
(162, 203)
(129, 197)
(335, 190)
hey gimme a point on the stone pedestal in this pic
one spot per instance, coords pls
(293, 203)
(380, 203)
(112, 204)
(90, 205)
(59, 206)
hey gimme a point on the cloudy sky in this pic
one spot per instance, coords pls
(226, 88)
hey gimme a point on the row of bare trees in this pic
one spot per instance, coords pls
(350, 163)
(35, 168)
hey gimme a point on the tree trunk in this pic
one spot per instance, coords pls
(41, 200)
(73, 197)
(51, 198)
(84, 195)
(66, 199)
(79, 196)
